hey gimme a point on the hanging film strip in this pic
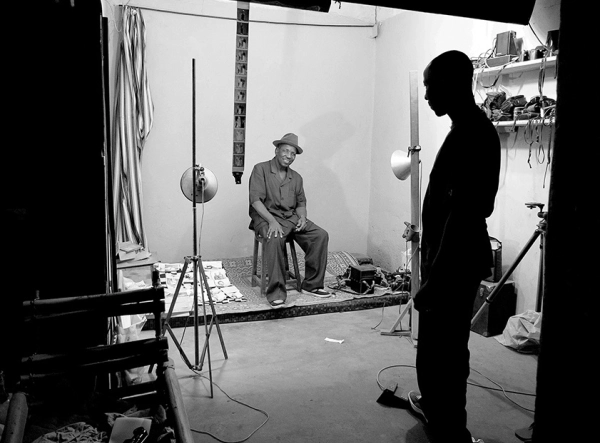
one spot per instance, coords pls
(240, 90)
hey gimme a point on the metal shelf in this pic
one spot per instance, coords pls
(512, 126)
(516, 67)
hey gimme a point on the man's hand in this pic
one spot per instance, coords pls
(301, 225)
(275, 229)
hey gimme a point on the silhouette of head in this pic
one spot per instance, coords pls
(448, 80)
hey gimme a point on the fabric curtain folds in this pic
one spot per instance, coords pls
(133, 119)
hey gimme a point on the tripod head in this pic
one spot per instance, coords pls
(541, 213)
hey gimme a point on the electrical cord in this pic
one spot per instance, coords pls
(483, 64)
(219, 17)
(504, 391)
(236, 401)
(550, 124)
(499, 388)
(374, 328)
(401, 289)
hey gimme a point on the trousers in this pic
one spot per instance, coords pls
(313, 240)
(443, 361)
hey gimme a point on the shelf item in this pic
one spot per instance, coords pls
(516, 67)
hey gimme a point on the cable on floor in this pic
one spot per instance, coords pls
(504, 391)
(374, 328)
(236, 401)
(500, 387)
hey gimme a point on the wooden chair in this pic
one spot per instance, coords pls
(262, 278)
(104, 359)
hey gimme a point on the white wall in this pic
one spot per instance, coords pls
(408, 42)
(346, 95)
(316, 81)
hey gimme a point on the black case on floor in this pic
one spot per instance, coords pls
(493, 320)
(362, 278)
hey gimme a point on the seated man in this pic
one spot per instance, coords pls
(278, 210)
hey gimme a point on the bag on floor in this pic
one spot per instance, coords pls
(522, 332)
(129, 328)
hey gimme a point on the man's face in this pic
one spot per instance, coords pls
(285, 154)
(435, 93)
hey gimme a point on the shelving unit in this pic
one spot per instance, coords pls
(517, 68)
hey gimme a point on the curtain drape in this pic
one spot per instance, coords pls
(133, 119)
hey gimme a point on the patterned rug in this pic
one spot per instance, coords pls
(255, 306)
(239, 272)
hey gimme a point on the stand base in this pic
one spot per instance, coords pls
(198, 269)
(394, 329)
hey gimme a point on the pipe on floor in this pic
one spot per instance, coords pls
(181, 423)
(16, 419)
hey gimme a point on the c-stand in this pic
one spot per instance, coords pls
(198, 185)
(539, 232)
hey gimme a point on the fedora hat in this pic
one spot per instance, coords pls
(289, 139)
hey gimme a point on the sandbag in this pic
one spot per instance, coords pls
(522, 332)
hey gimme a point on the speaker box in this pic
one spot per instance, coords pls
(505, 43)
(362, 278)
(493, 320)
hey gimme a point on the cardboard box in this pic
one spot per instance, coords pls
(493, 320)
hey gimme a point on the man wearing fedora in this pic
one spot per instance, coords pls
(278, 210)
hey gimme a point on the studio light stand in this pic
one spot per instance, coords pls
(540, 232)
(403, 165)
(198, 185)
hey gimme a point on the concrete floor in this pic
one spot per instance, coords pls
(318, 391)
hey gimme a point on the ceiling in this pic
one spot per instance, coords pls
(476, 9)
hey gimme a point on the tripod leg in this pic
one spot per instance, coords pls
(205, 349)
(181, 352)
(176, 294)
(196, 338)
(207, 330)
(540, 288)
(167, 326)
(490, 298)
(212, 307)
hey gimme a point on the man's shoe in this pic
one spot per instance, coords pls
(414, 398)
(525, 434)
(276, 303)
(477, 440)
(321, 293)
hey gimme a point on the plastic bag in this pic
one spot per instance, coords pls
(522, 332)
(129, 328)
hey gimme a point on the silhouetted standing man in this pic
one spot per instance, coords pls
(455, 248)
